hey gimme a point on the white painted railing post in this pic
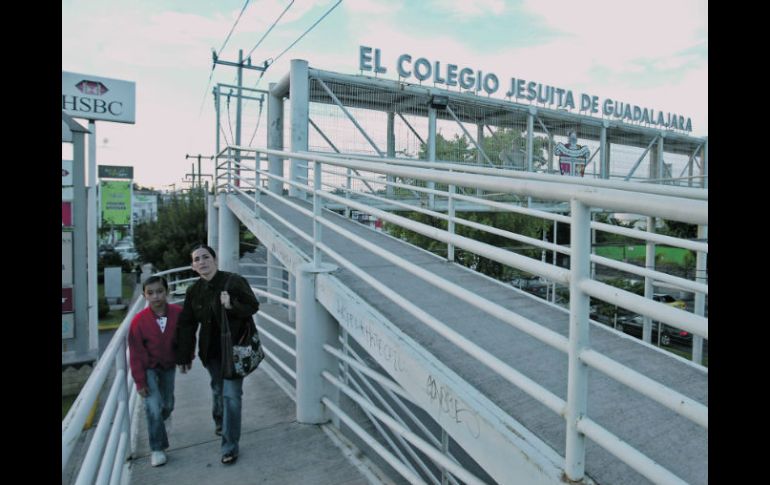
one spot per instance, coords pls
(227, 254)
(577, 386)
(701, 276)
(317, 206)
(212, 229)
(649, 290)
(451, 223)
(299, 94)
(315, 327)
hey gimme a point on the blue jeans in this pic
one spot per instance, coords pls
(226, 406)
(158, 405)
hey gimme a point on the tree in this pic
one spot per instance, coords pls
(516, 223)
(505, 148)
(181, 223)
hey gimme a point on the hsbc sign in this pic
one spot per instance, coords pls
(98, 98)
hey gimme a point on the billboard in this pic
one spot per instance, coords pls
(145, 207)
(116, 172)
(116, 202)
(98, 98)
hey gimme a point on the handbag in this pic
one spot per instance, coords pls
(243, 358)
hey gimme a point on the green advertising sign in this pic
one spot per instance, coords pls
(116, 172)
(116, 202)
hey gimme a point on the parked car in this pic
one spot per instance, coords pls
(635, 326)
(669, 300)
(129, 254)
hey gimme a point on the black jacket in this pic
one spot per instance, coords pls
(202, 306)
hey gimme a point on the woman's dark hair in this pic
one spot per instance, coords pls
(154, 279)
(206, 247)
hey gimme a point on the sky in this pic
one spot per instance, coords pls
(653, 54)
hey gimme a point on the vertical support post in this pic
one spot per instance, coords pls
(649, 263)
(431, 149)
(216, 160)
(92, 215)
(229, 186)
(275, 139)
(227, 255)
(317, 206)
(577, 385)
(391, 149)
(661, 161)
(593, 248)
(212, 221)
(530, 137)
(530, 143)
(238, 111)
(315, 327)
(77, 349)
(299, 93)
(690, 171)
(292, 296)
(604, 149)
(450, 256)
(479, 156)
(542, 260)
(550, 152)
(701, 276)
(555, 239)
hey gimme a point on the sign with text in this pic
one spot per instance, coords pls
(66, 300)
(66, 258)
(98, 98)
(116, 202)
(116, 172)
(67, 325)
(66, 213)
(477, 81)
(66, 173)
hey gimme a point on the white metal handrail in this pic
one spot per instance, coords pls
(117, 406)
(608, 196)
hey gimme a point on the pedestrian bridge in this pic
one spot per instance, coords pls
(391, 364)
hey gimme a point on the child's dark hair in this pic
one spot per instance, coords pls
(206, 247)
(154, 279)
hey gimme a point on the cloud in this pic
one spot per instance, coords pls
(470, 8)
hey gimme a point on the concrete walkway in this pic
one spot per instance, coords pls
(274, 448)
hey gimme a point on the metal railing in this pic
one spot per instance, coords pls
(111, 444)
(668, 202)
(105, 457)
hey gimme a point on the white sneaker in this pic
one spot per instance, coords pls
(157, 458)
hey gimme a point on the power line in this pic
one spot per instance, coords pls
(229, 124)
(270, 61)
(259, 118)
(271, 28)
(233, 28)
(308, 30)
(214, 65)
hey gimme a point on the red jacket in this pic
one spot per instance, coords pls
(148, 346)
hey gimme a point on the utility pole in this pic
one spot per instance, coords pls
(198, 156)
(241, 66)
